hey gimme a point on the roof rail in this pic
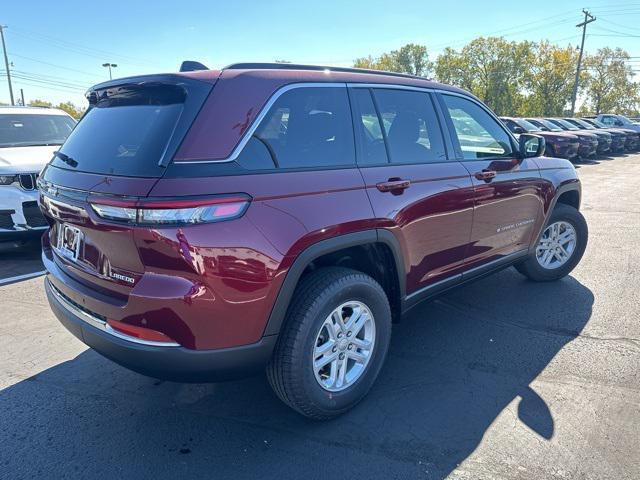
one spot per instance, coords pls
(296, 66)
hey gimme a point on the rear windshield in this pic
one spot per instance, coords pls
(125, 132)
(29, 130)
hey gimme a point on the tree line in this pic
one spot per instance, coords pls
(523, 78)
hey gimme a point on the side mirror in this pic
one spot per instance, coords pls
(531, 145)
(519, 130)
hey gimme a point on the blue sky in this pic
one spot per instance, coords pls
(57, 48)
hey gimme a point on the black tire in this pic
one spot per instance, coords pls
(536, 272)
(290, 371)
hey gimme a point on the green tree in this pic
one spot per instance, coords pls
(492, 68)
(40, 103)
(72, 109)
(609, 85)
(550, 79)
(411, 58)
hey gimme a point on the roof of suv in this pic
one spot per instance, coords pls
(289, 73)
(5, 110)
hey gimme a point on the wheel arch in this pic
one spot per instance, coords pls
(569, 193)
(331, 246)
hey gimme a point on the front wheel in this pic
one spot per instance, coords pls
(333, 344)
(559, 248)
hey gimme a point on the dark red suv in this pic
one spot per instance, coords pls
(206, 225)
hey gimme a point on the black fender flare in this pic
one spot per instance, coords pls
(316, 250)
(567, 187)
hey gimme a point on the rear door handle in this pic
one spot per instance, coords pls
(486, 175)
(393, 185)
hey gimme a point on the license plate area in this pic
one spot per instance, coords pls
(70, 240)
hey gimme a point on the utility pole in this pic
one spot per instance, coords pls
(22, 96)
(588, 18)
(6, 62)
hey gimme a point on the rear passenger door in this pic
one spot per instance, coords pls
(508, 190)
(416, 191)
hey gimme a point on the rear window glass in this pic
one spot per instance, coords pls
(27, 130)
(309, 127)
(126, 132)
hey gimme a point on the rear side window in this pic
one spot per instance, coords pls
(410, 125)
(306, 127)
(480, 136)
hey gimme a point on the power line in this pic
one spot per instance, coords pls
(74, 47)
(56, 66)
(620, 25)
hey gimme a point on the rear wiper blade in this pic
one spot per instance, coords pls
(65, 158)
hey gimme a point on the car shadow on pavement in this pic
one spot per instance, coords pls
(454, 365)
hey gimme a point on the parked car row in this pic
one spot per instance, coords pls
(574, 138)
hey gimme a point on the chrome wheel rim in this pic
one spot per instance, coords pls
(556, 246)
(343, 346)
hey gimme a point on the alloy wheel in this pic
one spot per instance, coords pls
(557, 244)
(343, 346)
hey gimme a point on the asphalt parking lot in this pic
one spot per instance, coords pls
(503, 378)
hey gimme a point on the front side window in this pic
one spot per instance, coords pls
(480, 136)
(308, 127)
(410, 125)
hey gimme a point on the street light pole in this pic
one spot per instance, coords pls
(109, 66)
(6, 62)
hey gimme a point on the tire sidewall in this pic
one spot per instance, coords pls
(375, 300)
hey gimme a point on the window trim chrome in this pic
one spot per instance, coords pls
(235, 153)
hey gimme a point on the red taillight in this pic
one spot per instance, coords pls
(181, 211)
(140, 332)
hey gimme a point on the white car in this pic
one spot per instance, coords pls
(28, 138)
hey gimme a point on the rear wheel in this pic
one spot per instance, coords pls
(334, 343)
(559, 248)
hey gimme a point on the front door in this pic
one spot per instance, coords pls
(416, 191)
(508, 189)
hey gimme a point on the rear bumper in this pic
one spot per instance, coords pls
(174, 363)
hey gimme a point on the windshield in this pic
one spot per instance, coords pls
(528, 126)
(597, 123)
(583, 124)
(28, 130)
(625, 120)
(547, 124)
(563, 123)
